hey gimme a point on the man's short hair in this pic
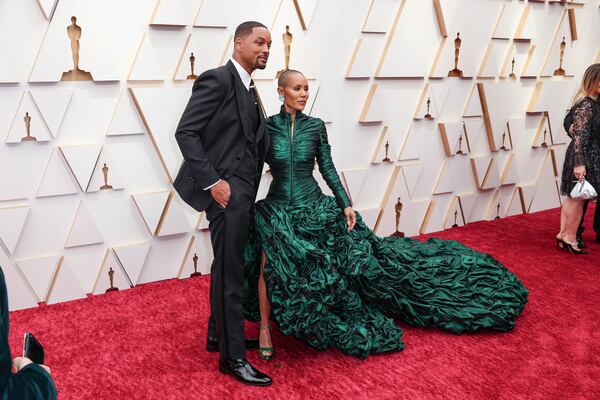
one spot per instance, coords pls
(245, 28)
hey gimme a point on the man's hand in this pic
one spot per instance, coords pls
(20, 362)
(221, 193)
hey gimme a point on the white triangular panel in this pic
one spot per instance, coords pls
(373, 109)
(473, 107)
(306, 10)
(526, 193)
(147, 65)
(82, 159)
(514, 204)
(84, 230)
(174, 220)
(380, 16)
(120, 279)
(57, 179)
(7, 71)
(125, 120)
(106, 164)
(320, 106)
(211, 14)
(369, 216)
(412, 173)
(411, 149)
(493, 59)
(174, 12)
(39, 273)
(132, 257)
(162, 109)
(47, 7)
(480, 167)
(444, 181)
(454, 215)
(12, 220)
(151, 206)
(467, 203)
(65, 287)
(507, 21)
(546, 191)
(353, 181)
(20, 294)
(164, 258)
(85, 262)
(38, 127)
(509, 172)
(492, 178)
(53, 103)
(208, 46)
(202, 222)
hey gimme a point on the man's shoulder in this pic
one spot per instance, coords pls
(221, 74)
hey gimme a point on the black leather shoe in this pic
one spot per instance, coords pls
(245, 373)
(212, 344)
(580, 242)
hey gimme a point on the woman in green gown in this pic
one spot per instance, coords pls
(315, 267)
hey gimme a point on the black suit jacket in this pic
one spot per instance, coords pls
(213, 134)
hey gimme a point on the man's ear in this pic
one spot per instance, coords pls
(237, 45)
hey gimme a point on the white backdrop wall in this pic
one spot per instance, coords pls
(372, 64)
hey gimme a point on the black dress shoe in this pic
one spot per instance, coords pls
(245, 373)
(212, 344)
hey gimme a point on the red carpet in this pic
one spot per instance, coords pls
(147, 343)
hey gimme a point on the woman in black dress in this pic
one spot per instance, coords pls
(582, 159)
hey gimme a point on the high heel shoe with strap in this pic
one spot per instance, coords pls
(560, 243)
(266, 353)
(569, 247)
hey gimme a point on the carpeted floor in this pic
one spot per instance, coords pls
(147, 343)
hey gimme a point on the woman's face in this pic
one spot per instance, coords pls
(295, 92)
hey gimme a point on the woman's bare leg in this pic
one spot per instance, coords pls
(265, 309)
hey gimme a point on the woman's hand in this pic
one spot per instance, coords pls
(350, 217)
(579, 172)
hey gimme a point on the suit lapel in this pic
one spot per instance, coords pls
(262, 115)
(240, 95)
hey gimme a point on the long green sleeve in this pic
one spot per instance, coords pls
(328, 169)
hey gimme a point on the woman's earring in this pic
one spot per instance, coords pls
(281, 98)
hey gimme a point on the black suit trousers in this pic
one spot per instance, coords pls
(228, 233)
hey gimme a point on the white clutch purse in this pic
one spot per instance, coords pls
(583, 191)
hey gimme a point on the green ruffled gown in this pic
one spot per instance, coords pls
(334, 288)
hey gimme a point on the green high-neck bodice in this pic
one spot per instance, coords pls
(292, 159)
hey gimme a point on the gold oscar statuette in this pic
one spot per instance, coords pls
(460, 139)
(503, 147)
(497, 211)
(560, 71)
(456, 72)
(287, 48)
(544, 144)
(28, 137)
(111, 277)
(387, 149)
(512, 70)
(76, 74)
(105, 173)
(398, 209)
(195, 260)
(455, 224)
(192, 62)
(428, 116)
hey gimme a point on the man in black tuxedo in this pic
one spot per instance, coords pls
(223, 139)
